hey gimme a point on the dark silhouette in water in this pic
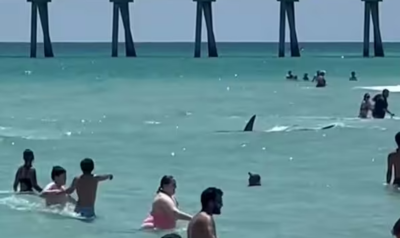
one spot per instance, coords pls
(287, 8)
(205, 6)
(254, 180)
(172, 235)
(371, 10)
(41, 7)
(250, 124)
(122, 6)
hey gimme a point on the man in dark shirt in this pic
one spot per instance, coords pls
(381, 105)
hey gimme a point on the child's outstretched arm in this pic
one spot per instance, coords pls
(103, 177)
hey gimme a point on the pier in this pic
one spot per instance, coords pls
(206, 7)
(40, 7)
(371, 11)
(287, 8)
(122, 6)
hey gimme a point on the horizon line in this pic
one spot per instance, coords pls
(191, 42)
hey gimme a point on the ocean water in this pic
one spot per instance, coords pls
(164, 113)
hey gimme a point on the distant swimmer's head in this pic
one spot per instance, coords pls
(59, 175)
(254, 180)
(172, 235)
(353, 74)
(29, 157)
(167, 185)
(397, 138)
(87, 166)
(211, 201)
(385, 93)
(396, 229)
(367, 97)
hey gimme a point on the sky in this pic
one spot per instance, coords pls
(174, 20)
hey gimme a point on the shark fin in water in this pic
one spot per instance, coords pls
(250, 124)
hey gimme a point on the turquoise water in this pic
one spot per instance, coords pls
(160, 114)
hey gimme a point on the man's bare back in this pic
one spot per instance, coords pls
(202, 226)
(393, 165)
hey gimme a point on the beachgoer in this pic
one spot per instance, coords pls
(353, 76)
(55, 192)
(290, 76)
(165, 213)
(305, 77)
(321, 82)
(396, 229)
(86, 188)
(393, 164)
(381, 105)
(315, 76)
(25, 176)
(203, 225)
(366, 106)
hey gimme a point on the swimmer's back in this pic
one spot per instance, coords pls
(86, 189)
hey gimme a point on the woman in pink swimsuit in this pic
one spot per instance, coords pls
(165, 212)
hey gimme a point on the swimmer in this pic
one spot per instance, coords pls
(305, 77)
(254, 180)
(54, 193)
(321, 82)
(396, 229)
(393, 164)
(381, 105)
(203, 224)
(25, 176)
(86, 188)
(353, 76)
(290, 76)
(315, 76)
(165, 213)
(366, 106)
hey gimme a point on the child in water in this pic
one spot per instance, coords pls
(86, 188)
(55, 193)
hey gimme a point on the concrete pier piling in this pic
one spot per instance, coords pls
(122, 6)
(205, 6)
(287, 9)
(371, 10)
(40, 7)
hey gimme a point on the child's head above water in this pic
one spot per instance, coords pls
(87, 166)
(59, 175)
(397, 138)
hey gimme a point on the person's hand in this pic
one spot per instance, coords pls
(61, 191)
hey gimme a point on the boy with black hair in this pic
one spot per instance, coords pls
(393, 164)
(54, 193)
(86, 188)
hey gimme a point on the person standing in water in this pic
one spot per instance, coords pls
(353, 76)
(366, 106)
(203, 224)
(393, 164)
(164, 212)
(86, 188)
(305, 77)
(25, 177)
(321, 82)
(381, 105)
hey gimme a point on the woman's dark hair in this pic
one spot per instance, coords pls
(366, 96)
(165, 180)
